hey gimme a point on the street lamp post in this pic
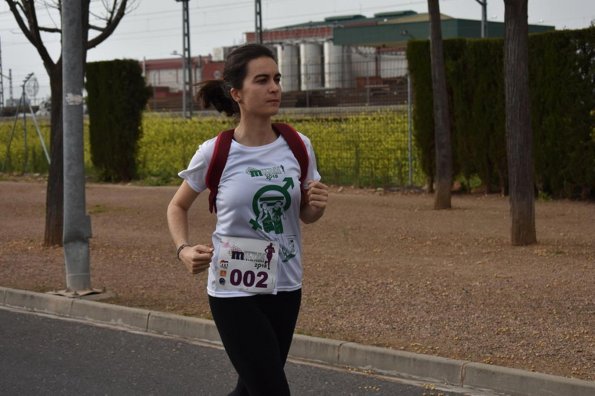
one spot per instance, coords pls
(184, 99)
(1, 79)
(484, 14)
(77, 224)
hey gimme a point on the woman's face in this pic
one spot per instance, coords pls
(261, 91)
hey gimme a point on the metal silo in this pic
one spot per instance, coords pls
(334, 65)
(288, 58)
(311, 66)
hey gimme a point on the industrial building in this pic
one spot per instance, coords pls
(341, 60)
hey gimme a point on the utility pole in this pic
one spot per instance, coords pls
(77, 224)
(258, 21)
(186, 64)
(2, 97)
(10, 87)
(1, 79)
(484, 17)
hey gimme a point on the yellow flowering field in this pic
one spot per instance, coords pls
(20, 147)
(364, 150)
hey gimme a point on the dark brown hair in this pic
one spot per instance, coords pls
(216, 92)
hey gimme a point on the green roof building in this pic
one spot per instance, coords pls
(386, 29)
(359, 59)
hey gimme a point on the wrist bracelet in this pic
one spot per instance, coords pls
(180, 248)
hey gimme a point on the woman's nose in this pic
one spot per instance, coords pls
(274, 87)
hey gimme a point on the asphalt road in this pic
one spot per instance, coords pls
(41, 355)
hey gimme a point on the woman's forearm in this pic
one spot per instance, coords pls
(177, 221)
(177, 213)
(310, 214)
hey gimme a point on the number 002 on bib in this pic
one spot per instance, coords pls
(248, 265)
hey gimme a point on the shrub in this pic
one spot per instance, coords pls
(117, 97)
(561, 85)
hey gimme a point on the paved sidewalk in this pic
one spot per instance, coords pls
(474, 377)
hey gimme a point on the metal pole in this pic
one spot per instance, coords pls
(183, 86)
(10, 87)
(484, 17)
(45, 150)
(410, 128)
(23, 105)
(26, 148)
(1, 79)
(187, 62)
(258, 21)
(77, 225)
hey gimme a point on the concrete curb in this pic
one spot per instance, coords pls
(434, 369)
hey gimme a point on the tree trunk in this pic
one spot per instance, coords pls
(55, 187)
(25, 14)
(519, 139)
(442, 197)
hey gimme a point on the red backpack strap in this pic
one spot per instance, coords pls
(221, 151)
(298, 148)
(216, 165)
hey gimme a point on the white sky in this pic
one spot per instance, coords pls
(153, 29)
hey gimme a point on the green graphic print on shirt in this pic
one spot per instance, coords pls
(269, 205)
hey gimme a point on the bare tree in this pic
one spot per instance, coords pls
(101, 17)
(442, 197)
(519, 139)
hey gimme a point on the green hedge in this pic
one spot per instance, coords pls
(117, 96)
(562, 104)
(562, 83)
(418, 59)
(478, 111)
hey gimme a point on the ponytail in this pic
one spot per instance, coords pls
(216, 93)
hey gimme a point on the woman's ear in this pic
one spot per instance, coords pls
(235, 95)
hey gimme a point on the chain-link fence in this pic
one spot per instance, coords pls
(362, 147)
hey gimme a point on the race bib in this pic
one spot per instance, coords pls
(248, 265)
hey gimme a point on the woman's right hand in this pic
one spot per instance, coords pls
(196, 258)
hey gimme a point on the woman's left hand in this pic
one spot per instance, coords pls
(317, 194)
(316, 200)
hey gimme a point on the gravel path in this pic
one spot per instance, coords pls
(380, 269)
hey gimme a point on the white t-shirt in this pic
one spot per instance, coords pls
(259, 197)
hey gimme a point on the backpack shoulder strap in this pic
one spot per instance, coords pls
(216, 165)
(297, 146)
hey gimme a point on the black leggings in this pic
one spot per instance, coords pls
(256, 333)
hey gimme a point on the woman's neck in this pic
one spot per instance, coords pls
(255, 132)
